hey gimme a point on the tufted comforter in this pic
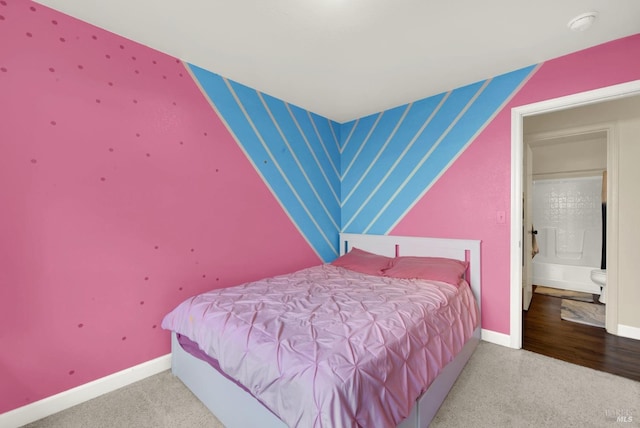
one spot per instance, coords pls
(329, 347)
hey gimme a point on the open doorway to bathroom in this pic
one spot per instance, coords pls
(570, 150)
(566, 316)
(568, 197)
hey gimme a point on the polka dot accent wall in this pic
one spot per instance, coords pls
(123, 193)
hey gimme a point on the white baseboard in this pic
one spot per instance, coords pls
(66, 399)
(628, 331)
(497, 338)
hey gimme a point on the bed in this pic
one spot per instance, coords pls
(247, 377)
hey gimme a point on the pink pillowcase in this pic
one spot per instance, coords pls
(442, 269)
(364, 262)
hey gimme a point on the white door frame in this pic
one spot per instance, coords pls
(527, 229)
(517, 138)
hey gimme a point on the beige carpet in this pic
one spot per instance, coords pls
(499, 387)
(564, 294)
(583, 312)
(160, 401)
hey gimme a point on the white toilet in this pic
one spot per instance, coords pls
(599, 276)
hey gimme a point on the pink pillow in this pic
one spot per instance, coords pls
(364, 262)
(442, 269)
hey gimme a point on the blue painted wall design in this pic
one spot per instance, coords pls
(362, 176)
(295, 151)
(390, 159)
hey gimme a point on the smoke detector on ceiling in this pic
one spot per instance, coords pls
(582, 21)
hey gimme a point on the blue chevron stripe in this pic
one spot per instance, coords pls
(289, 154)
(431, 158)
(303, 154)
(360, 176)
(326, 134)
(299, 189)
(327, 155)
(279, 169)
(356, 140)
(406, 171)
(334, 133)
(365, 156)
(455, 102)
(418, 117)
(377, 159)
(346, 131)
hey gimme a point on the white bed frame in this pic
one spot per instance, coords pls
(236, 408)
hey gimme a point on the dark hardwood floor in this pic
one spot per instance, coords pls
(544, 332)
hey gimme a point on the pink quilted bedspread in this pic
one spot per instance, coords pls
(329, 347)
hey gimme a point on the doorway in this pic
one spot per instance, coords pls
(564, 189)
(563, 185)
(517, 158)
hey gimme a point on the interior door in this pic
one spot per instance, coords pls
(528, 230)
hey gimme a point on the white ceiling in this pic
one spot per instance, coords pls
(345, 59)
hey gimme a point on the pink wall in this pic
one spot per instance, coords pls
(122, 194)
(465, 200)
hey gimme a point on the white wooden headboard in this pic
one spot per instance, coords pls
(391, 246)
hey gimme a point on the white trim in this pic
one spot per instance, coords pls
(71, 397)
(496, 338)
(517, 115)
(515, 251)
(628, 331)
(612, 230)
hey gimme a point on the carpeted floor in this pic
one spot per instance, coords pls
(159, 401)
(499, 387)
